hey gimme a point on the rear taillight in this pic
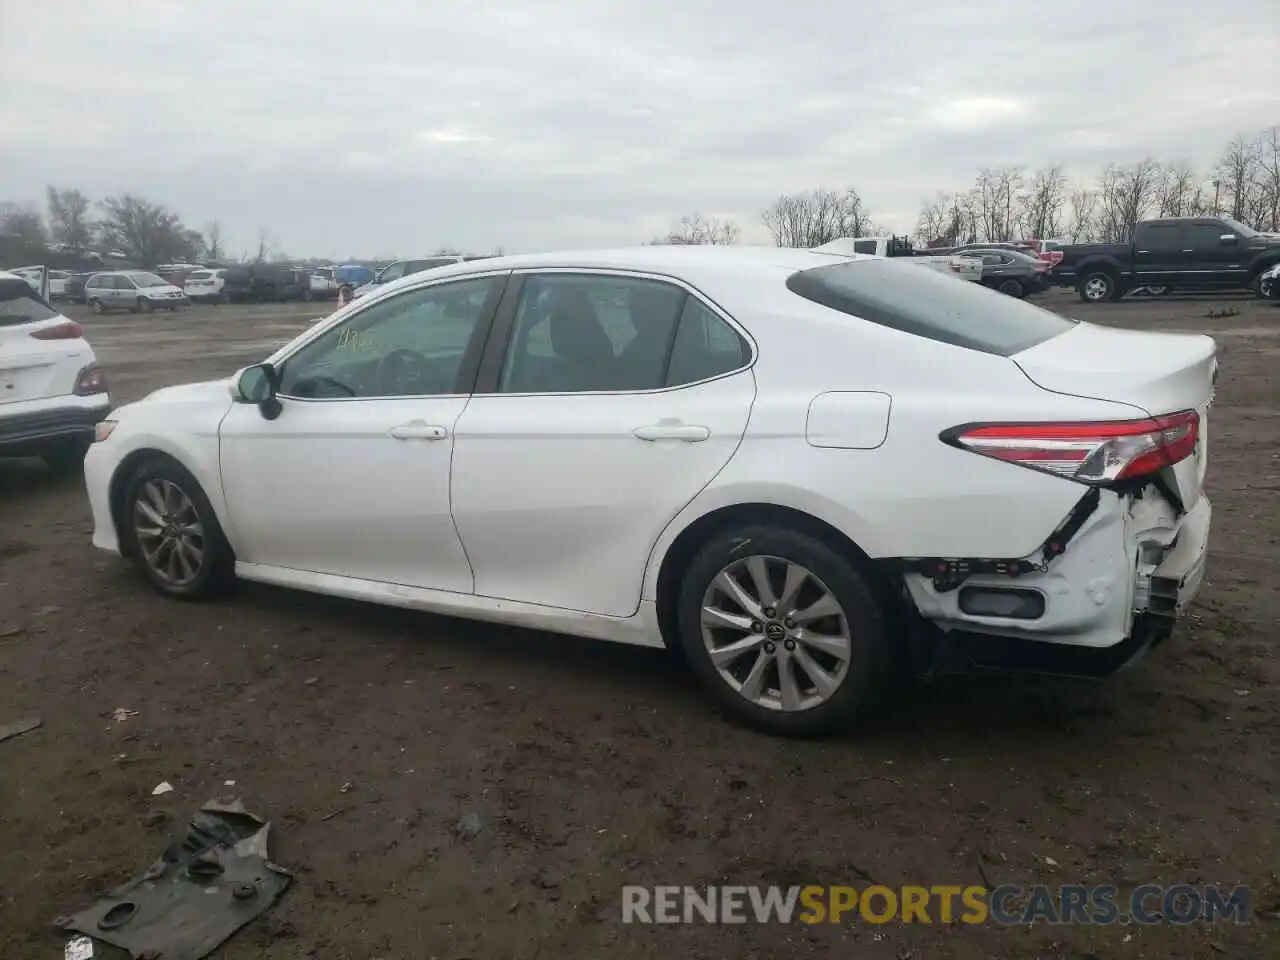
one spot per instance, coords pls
(90, 380)
(1096, 452)
(1053, 257)
(69, 330)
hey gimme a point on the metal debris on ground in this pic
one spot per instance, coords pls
(78, 948)
(204, 888)
(161, 788)
(120, 714)
(11, 730)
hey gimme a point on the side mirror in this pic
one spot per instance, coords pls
(1228, 238)
(257, 384)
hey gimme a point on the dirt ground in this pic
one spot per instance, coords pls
(374, 739)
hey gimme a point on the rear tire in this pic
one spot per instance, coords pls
(812, 647)
(186, 555)
(1097, 287)
(1012, 288)
(97, 306)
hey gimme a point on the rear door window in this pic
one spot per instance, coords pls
(929, 304)
(20, 304)
(1160, 238)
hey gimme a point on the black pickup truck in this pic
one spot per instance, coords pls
(1182, 253)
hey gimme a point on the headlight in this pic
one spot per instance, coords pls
(103, 429)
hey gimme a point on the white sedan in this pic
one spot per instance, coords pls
(801, 469)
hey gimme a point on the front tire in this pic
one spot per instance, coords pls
(1097, 287)
(173, 534)
(782, 631)
(145, 305)
(97, 306)
(1012, 288)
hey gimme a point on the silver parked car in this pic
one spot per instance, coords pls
(132, 290)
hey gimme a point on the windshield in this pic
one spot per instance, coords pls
(1240, 228)
(147, 280)
(929, 304)
(20, 304)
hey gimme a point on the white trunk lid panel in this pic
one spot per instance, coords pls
(32, 369)
(1157, 373)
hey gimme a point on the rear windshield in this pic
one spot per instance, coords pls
(921, 301)
(20, 304)
(199, 275)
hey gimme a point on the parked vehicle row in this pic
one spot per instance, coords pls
(961, 267)
(788, 464)
(1171, 253)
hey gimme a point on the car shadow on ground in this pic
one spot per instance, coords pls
(27, 477)
(961, 714)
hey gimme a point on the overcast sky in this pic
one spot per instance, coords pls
(393, 126)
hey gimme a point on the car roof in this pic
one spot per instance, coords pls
(682, 260)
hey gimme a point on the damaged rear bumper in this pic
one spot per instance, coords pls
(1087, 605)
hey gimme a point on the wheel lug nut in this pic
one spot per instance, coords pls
(756, 626)
(789, 623)
(789, 644)
(769, 611)
(769, 647)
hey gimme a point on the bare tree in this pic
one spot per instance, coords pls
(1083, 218)
(696, 229)
(1269, 180)
(146, 232)
(1125, 196)
(933, 226)
(815, 217)
(69, 222)
(1177, 191)
(1239, 171)
(213, 240)
(1041, 204)
(21, 224)
(996, 192)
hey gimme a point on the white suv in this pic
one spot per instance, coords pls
(52, 391)
(206, 286)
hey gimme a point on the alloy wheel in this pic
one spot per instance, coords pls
(1096, 288)
(169, 532)
(776, 634)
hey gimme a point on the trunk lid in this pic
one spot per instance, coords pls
(1156, 373)
(32, 369)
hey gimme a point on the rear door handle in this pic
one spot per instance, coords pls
(672, 430)
(418, 430)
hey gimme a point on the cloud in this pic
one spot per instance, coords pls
(392, 128)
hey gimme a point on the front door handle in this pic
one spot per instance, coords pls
(418, 430)
(672, 430)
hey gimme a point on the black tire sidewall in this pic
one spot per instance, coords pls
(145, 305)
(869, 668)
(1011, 288)
(217, 573)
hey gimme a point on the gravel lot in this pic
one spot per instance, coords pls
(366, 736)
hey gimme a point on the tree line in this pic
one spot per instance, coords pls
(1005, 203)
(1002, 203)
(126, 226)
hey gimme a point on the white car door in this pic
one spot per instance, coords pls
(352, 477)
(605, 403)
